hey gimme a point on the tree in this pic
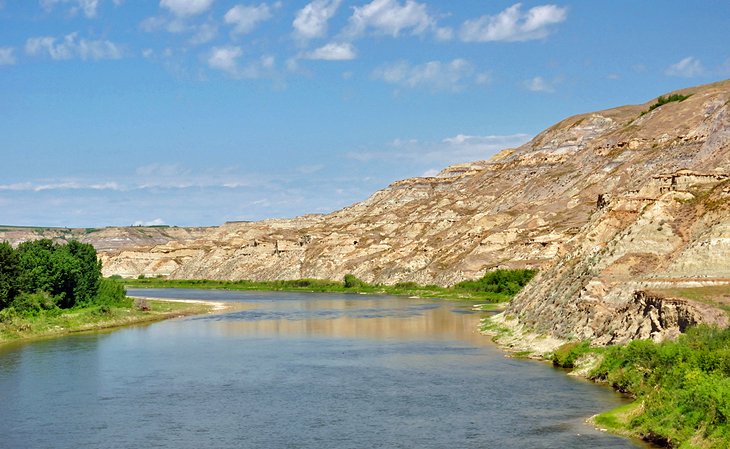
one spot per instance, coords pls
(37, 274)
(9, 273)
(71, 273)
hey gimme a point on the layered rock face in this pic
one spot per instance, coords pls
(606, 204)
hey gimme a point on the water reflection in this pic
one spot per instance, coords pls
(294, 371)
(378, 320)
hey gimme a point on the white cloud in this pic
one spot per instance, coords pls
(89, 7)
(444, 34)
(70, 47)
(452, 150)
(390, 17)
(225, 58)
(7, 56)
(512, 25)
(311, 21)
(186, 8)
(245, 18)
(687, 68)
(155, 222)
(60, 185)
(204, 33)
(434, 75)
(333, 52)
(539, 84)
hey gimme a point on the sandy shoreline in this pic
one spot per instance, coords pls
(216, 306)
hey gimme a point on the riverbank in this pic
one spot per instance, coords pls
(495, 287)
(59, 322)
(681, 388)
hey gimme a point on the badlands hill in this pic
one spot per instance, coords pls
(609, 205)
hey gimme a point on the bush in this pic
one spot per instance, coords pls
(142, 304)
(684, 385)
(507, 282)
(351, 281)
(566, 355)
(33, 303)
(661, 101)
(110, 292)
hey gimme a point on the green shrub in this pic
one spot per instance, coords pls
(33, 303)
(684, 385)
(507, 282)
(350, 281)
(661, 101)
(110, 292)
(566, 355)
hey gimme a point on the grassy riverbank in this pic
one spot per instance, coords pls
(495, 287)
(57, 322)
(682, 388)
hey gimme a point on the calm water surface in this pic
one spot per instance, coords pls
(292, 370)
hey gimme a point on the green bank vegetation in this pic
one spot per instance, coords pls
(494, 287)
(681, 388)
(51, 289)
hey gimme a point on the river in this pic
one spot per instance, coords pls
(294, 370)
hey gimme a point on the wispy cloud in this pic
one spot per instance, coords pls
(433, 75)
(244, 19)
(513, 25)
(539, 84)
(88, 7)
(332, 52)
(390, 17)
(186, 8)
(451, 150)
(227, 59)
(7, 56)
(70, 47)
(688, 67)
(311, 21)
(60, 185)
(155, 222)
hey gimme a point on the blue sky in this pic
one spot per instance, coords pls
(196, 112)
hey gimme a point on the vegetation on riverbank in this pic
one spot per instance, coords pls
(682, 388)
(494, 287)
(49, 289)
(57, 322)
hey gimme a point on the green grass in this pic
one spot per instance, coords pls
(618, 419)
(716, 295)
(56, 322)
(319, 285)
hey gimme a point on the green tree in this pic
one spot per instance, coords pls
(89, 271)
(71, 273)
(36, 266)
(9, 273)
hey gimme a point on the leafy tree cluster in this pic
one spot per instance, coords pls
(508, 282)
(43, 275)
(684, 386)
